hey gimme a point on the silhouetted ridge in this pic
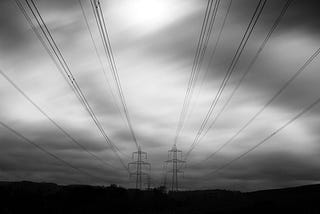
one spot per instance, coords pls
(30, 197)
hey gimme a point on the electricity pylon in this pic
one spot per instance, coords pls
(164, 178)
(176, 161)
(141, 167)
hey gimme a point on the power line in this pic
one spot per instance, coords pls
(53, 121)
(109, 53)
(300, 70)
(204, 37)
(46, 47)
(230, 70)
(212, 54)
(263, 44)
(201, 47)
(219, 36)
(47, 152)
(35, 12)
(308, 108)
(65, 66)
(99, 58)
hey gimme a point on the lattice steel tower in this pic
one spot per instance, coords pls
(141, 167)
(176, 160)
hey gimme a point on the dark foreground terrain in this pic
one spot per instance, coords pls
(28, 197)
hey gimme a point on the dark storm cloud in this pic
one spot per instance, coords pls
(301, 18)
(275, 169)
(14, 26)
(12, 32)
(16, 161)
(272, 170)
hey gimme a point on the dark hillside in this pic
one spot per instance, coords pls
(29, 197)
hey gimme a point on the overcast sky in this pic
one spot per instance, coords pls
(154, 43)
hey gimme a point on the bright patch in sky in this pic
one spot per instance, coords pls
(150, 15)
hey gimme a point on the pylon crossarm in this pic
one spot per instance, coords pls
(132, 163)
(145, 163)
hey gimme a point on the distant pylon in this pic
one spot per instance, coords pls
(164, 178)
(176, 161)
(141, 167)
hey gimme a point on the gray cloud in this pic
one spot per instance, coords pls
(154, 61)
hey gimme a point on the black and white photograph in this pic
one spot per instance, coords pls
(159, 106)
